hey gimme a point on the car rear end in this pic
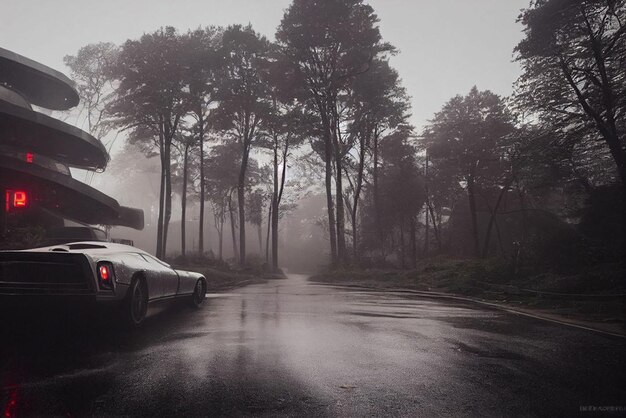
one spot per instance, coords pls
(41, 279)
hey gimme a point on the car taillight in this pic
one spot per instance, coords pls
(105, 276)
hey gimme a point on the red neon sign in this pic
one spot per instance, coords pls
(20, 199)
(15, 199)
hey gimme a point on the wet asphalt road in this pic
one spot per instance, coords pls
(293, 348)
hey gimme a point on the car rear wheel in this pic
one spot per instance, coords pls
(137, 303)
(199, 293)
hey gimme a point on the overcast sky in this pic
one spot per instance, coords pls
(446, 46)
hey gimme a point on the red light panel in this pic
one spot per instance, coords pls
(15, 199)
(20, 199)
(104, 273)
(29, 157)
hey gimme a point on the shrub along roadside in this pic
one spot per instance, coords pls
(592, 294)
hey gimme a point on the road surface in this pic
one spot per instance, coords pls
(293, 348)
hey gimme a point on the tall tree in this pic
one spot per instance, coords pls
(380, 105)
(402, 196)
(90, 70)
(574, 80)
(329, 43)
(284, 131)
(244, 102)
(150, 100)
(464, 137)
(184, 146)
(202, 64)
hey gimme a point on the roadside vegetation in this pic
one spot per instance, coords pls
(222, 275)
(595, 294)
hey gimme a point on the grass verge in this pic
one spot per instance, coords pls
(588, 297)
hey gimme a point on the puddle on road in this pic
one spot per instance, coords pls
(221, 295)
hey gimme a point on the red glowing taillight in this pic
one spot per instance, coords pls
(105, 276)
(104, 273)
(30, 157)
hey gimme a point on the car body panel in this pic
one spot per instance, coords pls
(72, 269)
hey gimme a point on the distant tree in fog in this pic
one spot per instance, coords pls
(284, 130)
(90, 69)
(464, 139)
(244, 102)
(150, 101)
(223, 165)
(379, 106)
(180, 171)
(202, 63)
(254, 213)
(329, 43)
(402, 197)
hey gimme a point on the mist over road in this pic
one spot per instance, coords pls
(294, 348)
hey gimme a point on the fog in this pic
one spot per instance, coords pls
(433, 61)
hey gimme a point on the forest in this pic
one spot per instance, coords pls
(243, 126)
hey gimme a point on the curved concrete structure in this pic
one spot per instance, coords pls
(67, 197)
(36, 132)
(41, 85)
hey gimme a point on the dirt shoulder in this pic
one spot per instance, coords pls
(591, 299)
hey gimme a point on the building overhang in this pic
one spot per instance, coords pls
(36, 132)
(40, 84)
(66, 197)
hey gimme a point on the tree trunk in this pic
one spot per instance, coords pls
(275, 207)
(379, 229)
(232, 228)
(183, 203)
(341, 223)
(357, 194)
(242, 225)
(330, 207)
(267, 236)
(275, 237)
(492, 218)
(159, 246)
(241, 185)
(168, 188)
(413, 243)
(202, 189)
(474, 217)
(402, 249)
(436, 225)
(426, 232)
(219, 225)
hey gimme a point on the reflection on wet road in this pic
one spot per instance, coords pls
(293, 348)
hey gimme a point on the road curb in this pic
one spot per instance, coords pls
(506, 308)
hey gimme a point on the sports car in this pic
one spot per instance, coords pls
(101, 274)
